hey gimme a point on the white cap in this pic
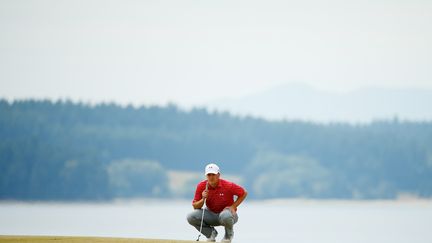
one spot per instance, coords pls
(212, 169)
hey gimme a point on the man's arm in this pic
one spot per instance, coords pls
(237, 202)
(200, 203)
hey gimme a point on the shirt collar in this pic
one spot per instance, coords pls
(217, 186)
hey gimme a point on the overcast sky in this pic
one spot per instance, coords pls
(191, 52)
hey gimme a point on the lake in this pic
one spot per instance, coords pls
(296, 221)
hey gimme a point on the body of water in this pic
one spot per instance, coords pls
(297, 221)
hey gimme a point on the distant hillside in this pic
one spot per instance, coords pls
(305, 103)
(68, 151)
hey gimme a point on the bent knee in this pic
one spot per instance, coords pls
(227, 221)
(226, 217)
(193, 217)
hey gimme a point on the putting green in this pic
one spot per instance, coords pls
(67, 239)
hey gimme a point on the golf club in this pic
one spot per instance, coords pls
(202, 217)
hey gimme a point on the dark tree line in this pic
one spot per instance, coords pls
(64, 150)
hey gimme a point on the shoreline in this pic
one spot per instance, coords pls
(273, 201)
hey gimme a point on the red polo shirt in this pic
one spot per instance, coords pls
(219, 197)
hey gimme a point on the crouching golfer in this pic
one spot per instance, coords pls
(218, 195)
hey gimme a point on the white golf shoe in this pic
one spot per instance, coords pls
(213, 235)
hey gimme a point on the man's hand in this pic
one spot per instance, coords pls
(237, 202)
(205, 194)
(233, 209)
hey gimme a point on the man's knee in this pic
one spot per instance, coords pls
(226, 218)
(193, 217)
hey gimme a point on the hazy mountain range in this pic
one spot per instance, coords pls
(301, 102)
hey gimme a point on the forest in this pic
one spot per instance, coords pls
(64, 150)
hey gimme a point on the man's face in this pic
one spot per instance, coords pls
(213, 179)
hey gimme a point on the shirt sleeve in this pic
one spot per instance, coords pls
(198, 192)
(237, 190)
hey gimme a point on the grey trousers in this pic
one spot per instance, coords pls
(224, 218)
